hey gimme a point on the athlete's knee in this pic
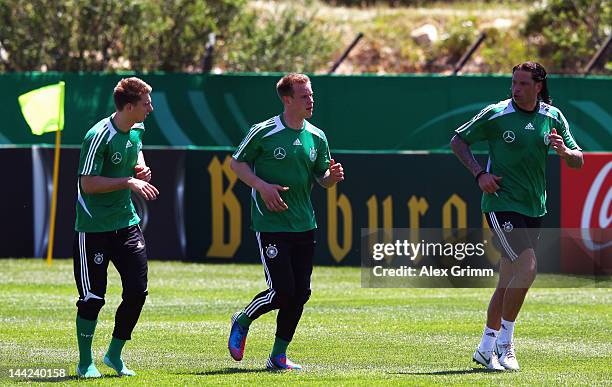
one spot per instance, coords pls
(89, 308)
(283, 299)
(526, 268)
(135, 299)
(302, 297)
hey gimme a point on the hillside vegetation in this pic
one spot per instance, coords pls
(301, 35)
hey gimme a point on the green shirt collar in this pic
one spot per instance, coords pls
(287, 126)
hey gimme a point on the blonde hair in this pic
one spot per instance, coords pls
(284, 87)
(129, 90)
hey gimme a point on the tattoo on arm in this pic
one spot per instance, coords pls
(464, 154)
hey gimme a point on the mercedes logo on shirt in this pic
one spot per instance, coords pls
(508, 136)
(279, 153)
(116, 158)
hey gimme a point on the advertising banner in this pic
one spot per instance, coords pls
(203, 211)
(586, 206)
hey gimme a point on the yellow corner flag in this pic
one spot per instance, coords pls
(43, 109)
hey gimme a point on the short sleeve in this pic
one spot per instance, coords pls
(475, 130)
(564, 131)
(249, 148)
(322, 161)
(140, 128)
(92, 153)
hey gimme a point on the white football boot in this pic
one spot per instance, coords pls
(506, 356)
(487, 359)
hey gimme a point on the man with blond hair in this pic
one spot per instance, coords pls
(111, 167)
(280, 159)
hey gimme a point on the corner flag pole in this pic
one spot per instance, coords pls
(60, 126)
(54, 197)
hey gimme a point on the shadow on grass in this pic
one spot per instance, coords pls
(59, 379)
(68, 378)
(447, 372)
(230, 370)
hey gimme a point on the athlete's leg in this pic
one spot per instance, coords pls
(522, 234)
(485, 353)
(90, 262)
(302, 255)
(274, 249)
(274, 252)
(524, 273)
(494, 312)
(130, 259)
(524, 269)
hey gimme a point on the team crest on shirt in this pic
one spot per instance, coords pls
(98, 258)
(271, 251)
(508, 227)
(313, 154)
(546, 138)
(116, 158)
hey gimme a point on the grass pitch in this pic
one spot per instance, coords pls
(348, 335)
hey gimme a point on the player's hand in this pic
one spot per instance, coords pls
(144, 189)
(488, 182)
(271, 196)
(142, 172)
(336, 172)
(557, 143)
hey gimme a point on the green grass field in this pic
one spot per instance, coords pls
(348, 335)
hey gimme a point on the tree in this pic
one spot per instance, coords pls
(289, 39)
(568, 33)
(107, 35)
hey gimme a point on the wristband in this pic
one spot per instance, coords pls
(482, 172)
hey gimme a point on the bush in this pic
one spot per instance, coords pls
(502, 49)
(175, 34)
(568, 33)
(106, 35)
(406, 3)
(289, 39)
(459, 35)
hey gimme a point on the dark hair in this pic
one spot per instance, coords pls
(284, 87)
(538, 74)
(129, 90)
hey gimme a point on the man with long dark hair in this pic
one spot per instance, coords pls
(519, 132)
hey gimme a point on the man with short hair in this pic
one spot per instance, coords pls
(111, 167)
(519, 132)
(280, 159)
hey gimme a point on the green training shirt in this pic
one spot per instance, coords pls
(290, 158)
(518, 146)
(109, 152)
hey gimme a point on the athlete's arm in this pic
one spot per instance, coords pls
(102, 184)
(269, 192)
(333, 175)
(573, 157)
(142, 171)
(486, 181)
